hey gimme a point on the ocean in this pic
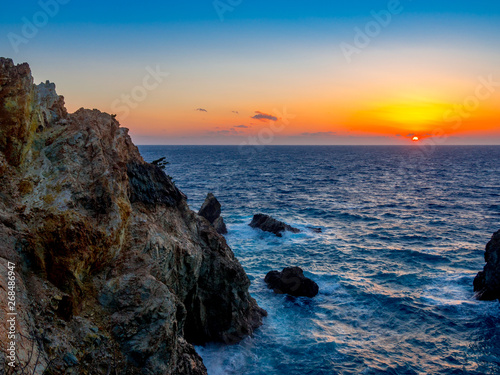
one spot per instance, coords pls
(404, 232)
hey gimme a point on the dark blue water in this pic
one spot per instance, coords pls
(404, 231)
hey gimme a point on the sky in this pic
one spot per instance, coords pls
(270, 72)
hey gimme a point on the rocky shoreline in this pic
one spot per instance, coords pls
(114, 272)
(487, 282)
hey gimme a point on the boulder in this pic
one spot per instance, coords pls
(211, 210)
(269, 224)
(291, 281)
(487, 282)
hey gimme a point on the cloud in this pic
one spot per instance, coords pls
(236, 112)
(319, 134)
(261, 116)
(241, 126)
(224, 132)
(201, 110)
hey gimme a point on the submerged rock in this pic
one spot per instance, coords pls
(211, 210)
(269, 224)
(291, 281)
(487, 282)
(315, 229)
(100, 238)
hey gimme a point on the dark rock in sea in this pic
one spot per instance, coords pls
(315, 229)
(211, 210)
(291, 281)
(269, 224)
(487, 282)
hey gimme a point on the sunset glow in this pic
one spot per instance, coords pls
(419, 75)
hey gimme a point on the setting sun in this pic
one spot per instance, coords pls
(415, 139)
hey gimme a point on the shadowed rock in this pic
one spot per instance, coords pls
(220, 226)
(269, 224)
(211, 210)
(487, 282)
(291, 281)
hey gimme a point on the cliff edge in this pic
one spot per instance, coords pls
(487, 282)
(113, 272)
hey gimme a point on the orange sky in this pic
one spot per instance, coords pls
(407, 82)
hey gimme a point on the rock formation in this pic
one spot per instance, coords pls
(114, 273)
(315, 229)
(269, 224)
(487, 282)
(291, 281)
(211, 210)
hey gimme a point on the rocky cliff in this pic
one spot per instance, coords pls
(114, 273)
(487, 282)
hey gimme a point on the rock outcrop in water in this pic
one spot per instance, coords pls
(487, 282)
(269, 224)
(114, 273)
(211, 210)
(291, 281)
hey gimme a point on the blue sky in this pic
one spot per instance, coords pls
(260, 56)
(133, 12)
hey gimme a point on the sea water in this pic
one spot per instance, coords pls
(403, 235)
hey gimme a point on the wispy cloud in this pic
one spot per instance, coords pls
(319, 134)
(236, 112)
(242, 126)
(261, 116)
(224, 132)
(201, 110)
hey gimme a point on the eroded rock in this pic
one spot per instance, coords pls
(487, 282)
(269, 224)
(291, 281)
(211, 210)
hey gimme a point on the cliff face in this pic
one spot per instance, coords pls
(487, 282)
(114, 272)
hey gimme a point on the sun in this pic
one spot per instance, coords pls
(415, 139)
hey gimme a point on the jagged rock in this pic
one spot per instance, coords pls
(220, 226)
(291, 281)
(487, 282)
(269, 224)
(211, 210)
(103, 239)
(51, 104)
